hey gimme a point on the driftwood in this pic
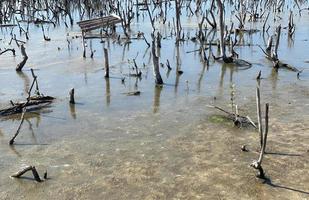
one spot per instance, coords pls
(19, 127)
(16, 108)
(7, 50)
(237, 119)
(135, 93)
(32, 102)
(26, 169)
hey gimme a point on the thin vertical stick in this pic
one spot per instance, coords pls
(266, 125)
(265, 135)
(84, 45)
(258, 164)
(259, 115)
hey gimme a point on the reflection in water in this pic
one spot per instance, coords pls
(26, 80)
(223, 70)
(157, 96)
(168, 73)
(37, 116)
(32, 131)
(222, 75)
(72, 110)
(201, 78)
(221, 82)
(12, 147)
(107, 92)
(178, 67)
(86, 77)
(274, 78)
(126, 47)
(291, 42)
(232, 68)
(136, 84)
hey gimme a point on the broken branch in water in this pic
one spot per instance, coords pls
(135, 93)
(235, 117)
(32, 102)
(19, 127)
(272, 53)
(12, 50)
(26, 169)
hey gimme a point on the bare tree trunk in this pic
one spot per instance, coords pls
(156, 68)
(222, 25)
(178, 25)
(278, 33)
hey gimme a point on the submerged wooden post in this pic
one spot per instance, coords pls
(72, 99)
(106, 63)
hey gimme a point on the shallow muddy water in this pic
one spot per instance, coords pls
(165, 143)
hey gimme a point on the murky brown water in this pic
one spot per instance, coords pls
(165, 143)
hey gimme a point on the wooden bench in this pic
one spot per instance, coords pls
(92, 24)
